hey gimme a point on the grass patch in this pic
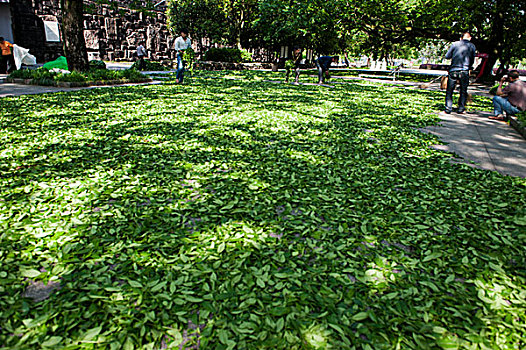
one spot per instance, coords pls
(241, 213)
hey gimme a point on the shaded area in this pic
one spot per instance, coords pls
(490, 144)
(251, 214)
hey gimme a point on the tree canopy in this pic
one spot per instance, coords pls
(378, 28)
(374, 27)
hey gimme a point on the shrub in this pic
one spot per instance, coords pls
(521, 117)
(97, 64)
(228, 55)
(22, 74)
(150, 65)
(44, 77)
(73, 77)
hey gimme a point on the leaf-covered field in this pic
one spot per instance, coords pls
(242, 214)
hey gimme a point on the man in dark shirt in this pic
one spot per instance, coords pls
(324, 64)
(462, 55)
(512, 98)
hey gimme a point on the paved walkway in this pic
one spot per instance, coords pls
(481, 142)
(10, 89)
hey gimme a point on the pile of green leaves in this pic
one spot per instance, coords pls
(97, 64)
(238, 213)
(232, 55)
(44, 77)
(521, 117)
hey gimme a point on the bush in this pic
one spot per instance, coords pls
(96, 64)
(44, 77)
(73, 77)
(521, 117)
(150, 65)
(22, 74)
(228, 55)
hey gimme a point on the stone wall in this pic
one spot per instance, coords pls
(115, 34)
(28, 27)
(111, 33)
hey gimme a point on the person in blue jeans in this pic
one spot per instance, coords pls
(181, 44)
(462, 55)
(323, 64)
(510, 99)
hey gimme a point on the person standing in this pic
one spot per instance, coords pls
(181, 44)
(323, 64)
(141, 53)
(7, 61)
(294, 63)
(512, 98)
(462, 55)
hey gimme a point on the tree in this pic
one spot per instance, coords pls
(203, 18)
(225, 21)
(307, 23)
(495, 24)
(497, 27)
(240, 14)
(73, 35)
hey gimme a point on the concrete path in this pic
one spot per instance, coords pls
(482, 143)
(10, 89)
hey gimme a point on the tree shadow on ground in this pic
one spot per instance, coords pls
(332, 224)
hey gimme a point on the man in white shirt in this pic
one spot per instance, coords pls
(181, 44)
(141, 53)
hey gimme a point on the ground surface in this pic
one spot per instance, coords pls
(244, 214)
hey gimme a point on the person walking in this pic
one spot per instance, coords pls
(510, 99)
(323, 64)
(141, 53)
(7, 60)
(462, 55)
(181, 44)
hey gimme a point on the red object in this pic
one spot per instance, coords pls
(484, 57)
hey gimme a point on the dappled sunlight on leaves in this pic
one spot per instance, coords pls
(234, 211)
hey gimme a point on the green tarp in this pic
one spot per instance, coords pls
(59, 63)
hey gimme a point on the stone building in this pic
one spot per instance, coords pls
(112, 31)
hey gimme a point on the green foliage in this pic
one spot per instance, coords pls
(227, 55)
(251, 215)
(203, 18)
(72, 77)
(521, 117)
(22, 74)
(42, 76)
(311, 24)
(97, 64)
(150, 66)
(189, 57)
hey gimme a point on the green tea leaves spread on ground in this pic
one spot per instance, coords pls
(233, 212)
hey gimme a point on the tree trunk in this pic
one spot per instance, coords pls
(73, 35)
(494, 46)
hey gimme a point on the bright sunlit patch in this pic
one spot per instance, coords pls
(316, 336)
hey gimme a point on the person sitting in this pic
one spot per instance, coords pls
(324, 64)
(510, 99)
